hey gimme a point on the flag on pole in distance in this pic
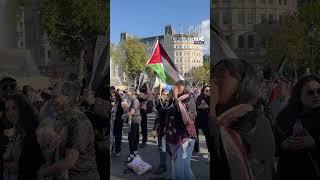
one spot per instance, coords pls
(220, 48)
(143, 79)
(100, 68)
(164, 67)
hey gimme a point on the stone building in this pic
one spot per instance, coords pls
(245, 23)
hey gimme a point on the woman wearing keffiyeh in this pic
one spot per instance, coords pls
(243, 145)
(180, 131)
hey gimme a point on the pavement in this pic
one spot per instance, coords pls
(200, 163)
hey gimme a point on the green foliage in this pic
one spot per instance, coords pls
(201, 74)
(299, 38)
(132, 56)
(72, 24)
(20, 3)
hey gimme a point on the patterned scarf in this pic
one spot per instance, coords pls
(176, 139)
(234, 148)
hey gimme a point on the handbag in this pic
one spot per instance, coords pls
(139, 166)
(191, 128)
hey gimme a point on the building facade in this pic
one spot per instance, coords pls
(32, 36)
(245, 23)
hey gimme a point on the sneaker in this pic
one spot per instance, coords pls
(130, 158)
(161, 170)
(118, 154)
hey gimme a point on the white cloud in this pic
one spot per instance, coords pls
(203, 29)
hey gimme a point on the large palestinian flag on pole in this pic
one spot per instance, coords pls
(161, 63)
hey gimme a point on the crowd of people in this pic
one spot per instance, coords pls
(263, 129)
(57, 133)
(180, 113)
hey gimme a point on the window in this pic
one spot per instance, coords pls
(180, 53)
(226, 18)
(263, 19)
(241, 41)
(177, 54)
(49, 54)
(280, 2)
(285, 2)
(225, 1)
(270, 18)
(263, 42)
(241, 17)
(250, 41)
(216, 17)
(250, 18)
(280, 19)
(270, 1)
(228, 39)
(263, 1)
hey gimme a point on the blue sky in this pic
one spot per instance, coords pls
(148, 17)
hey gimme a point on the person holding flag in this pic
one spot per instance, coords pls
(179, 130)
(163, 65)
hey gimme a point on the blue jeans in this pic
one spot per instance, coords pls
(181, 169)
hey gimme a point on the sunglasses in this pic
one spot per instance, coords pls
(313, 92)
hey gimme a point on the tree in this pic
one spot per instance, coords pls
(298, 37)
(131, 55)
(74, 25)
(201, 74)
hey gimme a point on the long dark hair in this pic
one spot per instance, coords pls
(118, 97)
(295, 106)
(144, 88)
(27, 117)
(249, 83)
(202, 96)
(203, 88)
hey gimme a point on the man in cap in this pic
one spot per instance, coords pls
(79, 159)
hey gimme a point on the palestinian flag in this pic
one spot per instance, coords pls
(161, 63)
(280, 69)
